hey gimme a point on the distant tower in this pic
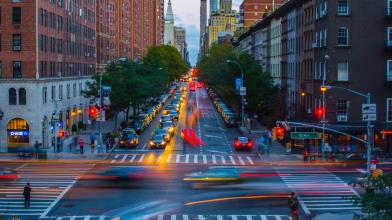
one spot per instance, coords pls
(225, 6)
(169, 26)
(213, 6)
(203, 19)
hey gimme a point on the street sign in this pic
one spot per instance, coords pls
(369, 108)
(243, 91)
(369, 117)
(238, 84)
(305, 135)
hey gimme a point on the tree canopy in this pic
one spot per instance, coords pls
(262, 96)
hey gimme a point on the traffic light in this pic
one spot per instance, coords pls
(279, 133)
(61, 134)
(93, 112)
(319, 112)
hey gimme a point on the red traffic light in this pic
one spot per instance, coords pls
(320, 112)
(93, 111)
(279, 131)
(61, 134)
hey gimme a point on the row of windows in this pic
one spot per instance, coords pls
(71, 48)
(13, 97)
(58, 93)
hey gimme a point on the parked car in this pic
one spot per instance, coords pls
(243, 143)
(129, 140)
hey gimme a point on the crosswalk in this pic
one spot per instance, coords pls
(320, 190)
(213, 159)
(183, 217)
(48, 182)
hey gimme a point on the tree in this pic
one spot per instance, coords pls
(168, 59)
(377, 201)
(262, 95)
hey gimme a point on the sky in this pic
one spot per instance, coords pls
(187, 15)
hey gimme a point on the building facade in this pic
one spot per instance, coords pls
(48, 53)
(252, 11)
(203, 20)
(214, 6)
(325, 42)
(221, 23)
(181, 45)
(169, 36)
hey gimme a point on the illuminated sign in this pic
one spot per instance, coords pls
(18, 133)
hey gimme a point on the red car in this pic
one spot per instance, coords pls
(8, 175)
(243, 143)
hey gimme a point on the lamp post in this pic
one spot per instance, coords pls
(369, 126)
(242, 96)
(323, 90)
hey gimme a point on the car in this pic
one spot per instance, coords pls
(230, 121)
(213, 176)
(165, 118)
(173, 114)
(116, 173)
(138, 127)
(168, 125)
(157, 141)
(8, 175)
(165, 133)
(243, 143)
(128, 140)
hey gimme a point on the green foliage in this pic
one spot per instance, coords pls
(377, 203)
(262, 95)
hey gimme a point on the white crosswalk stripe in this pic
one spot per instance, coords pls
(185, 217)
(183, 158)
(320, 191)
(48, 183)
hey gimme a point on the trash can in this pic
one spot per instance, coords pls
(42, 154)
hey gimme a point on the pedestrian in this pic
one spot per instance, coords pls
(107, 144)
(26, 194)
(81, 145)
(36, 149)
(293, 204)
(306, 155)
(269, 138)
(111, 142)
(92, 141)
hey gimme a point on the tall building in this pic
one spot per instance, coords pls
(326, 47)
(44, 65)
(225, 6)
(203, 20)
(181, 45)
(214, 6)
(169, 26)
(252, 11)
(159, 21)
(221, 23)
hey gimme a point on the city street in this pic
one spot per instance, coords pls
(160, 191)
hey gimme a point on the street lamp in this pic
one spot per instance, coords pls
(323, 90)
(369, 125)
(242, 96)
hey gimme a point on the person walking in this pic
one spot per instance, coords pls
(293, 204)
(107, 144)
(36, 149)
(27, 194)
(92, 141)
(306, 155)
(81, 145)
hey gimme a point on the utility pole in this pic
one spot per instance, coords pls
(100, 112)
(324, 103)
(369, 137)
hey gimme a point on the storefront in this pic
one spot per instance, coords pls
(18, 134)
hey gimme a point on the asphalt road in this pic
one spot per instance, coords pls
(163, 195)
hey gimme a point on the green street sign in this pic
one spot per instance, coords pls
(305, 135)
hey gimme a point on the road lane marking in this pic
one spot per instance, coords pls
(241, 161)
(263, 217)
(142, 158)
(173, 217)
(195, 158)
(159, 159)
(169, 157)
(178, 158)
(185, 217)
(201, 217)
(205, 159)
(250, 160)
(187, 158)
(132, 158)
(160, 217)
(213, 159)
(232, 160)
(116, 156)
(123, 159)
(219, 217)
(213, 136)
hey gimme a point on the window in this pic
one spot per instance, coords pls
(16, 42)
(59, 45)
(22, 96)
(342, 71)
(16, 15)
(389, 70)
(60, 92)
(389, 36)
(80, 89)
(59, 23)
(17, 69)
(53, 93)
(68, 91)
(389, 109)
(389, 7)
(44, 95)
(342, 7)
(12, 96)
(342, 107)
(74, 90)
(343, 36)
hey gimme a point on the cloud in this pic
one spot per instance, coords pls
(187, 15)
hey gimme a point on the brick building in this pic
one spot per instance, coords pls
(334, 42)
(47, 55)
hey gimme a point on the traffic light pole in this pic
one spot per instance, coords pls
(242, 96)
(100, 112)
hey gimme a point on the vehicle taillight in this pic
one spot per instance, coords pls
(237, 143)
(250, 144)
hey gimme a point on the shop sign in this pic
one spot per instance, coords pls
(18, 133)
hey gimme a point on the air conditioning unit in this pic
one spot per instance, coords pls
(342, 118)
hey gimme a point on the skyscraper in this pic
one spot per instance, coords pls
(203, 19)
(225, 6)
(169, 26)
(213, 6)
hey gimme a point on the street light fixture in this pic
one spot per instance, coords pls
(242, 96)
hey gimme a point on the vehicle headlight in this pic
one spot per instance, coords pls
(151, 143)
(171, 129)
(167, 136)
(162, 142)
